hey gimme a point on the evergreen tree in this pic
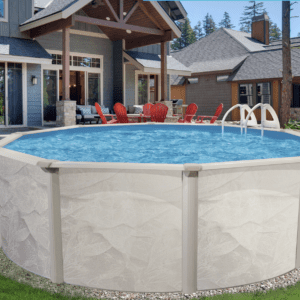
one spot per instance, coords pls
(255, 9)
(198, 31)
(187, 36)
(298, 34)
(274, 31)
(209, 26)
(226, 21)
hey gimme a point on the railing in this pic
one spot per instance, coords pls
(242, 107)
(264, 122)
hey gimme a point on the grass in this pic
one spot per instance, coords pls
(13, 290)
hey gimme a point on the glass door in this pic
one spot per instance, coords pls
(15, 94)
(143, 83)
(2, 94)
(94, 88)
(49, 94)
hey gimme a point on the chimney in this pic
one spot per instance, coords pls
(260, 28)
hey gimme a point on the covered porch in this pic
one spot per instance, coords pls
(128, 24)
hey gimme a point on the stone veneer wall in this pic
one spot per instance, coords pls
(65, 113)
(295, 113)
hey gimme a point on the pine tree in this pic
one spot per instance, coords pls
(274, 31)
(209, 25)
(198, 31)
(226, 21)
(255, 9)
(187, 36)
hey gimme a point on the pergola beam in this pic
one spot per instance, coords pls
(132, 10)
(117, 25)
(145, 11)
(111, 9)
(121, 11)
(52, 27)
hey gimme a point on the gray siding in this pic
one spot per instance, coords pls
(208, 94)
(130, 85)
(34, 96)
(18, 12)
(153, 49)
(90, 45)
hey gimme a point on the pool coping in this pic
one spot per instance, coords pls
(49, 163)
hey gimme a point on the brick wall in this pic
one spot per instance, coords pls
(208, 94)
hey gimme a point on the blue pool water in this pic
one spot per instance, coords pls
(157, 144)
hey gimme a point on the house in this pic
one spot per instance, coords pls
(56, 54)
(234, 67)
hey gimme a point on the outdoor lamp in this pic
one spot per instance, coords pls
(34, 80)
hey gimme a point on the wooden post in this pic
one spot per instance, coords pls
(164, 87)
(156, 95)
(66, 64)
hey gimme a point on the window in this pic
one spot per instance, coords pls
(296, 96)
(77, 61)
(263, 93)
(49, 95)
(142, 89)
(3, 10)
(245, 94)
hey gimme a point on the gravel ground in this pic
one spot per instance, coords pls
(11, 270)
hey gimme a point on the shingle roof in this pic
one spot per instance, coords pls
(176, 80)
(153, 61)
(245, 39)
(54, 7)
(22, 47)
(266, 64)
(218, 65)
(217, 46)
(295, 42)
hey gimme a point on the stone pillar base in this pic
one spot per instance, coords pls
(66, 113)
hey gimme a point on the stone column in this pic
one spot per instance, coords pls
(65, 113)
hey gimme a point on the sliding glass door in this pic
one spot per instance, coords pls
(15, 94)
(94, 88)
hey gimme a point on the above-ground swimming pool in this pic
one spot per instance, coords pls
(188, 211)
(163, 144)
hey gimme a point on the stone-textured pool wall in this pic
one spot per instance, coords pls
(122, 227)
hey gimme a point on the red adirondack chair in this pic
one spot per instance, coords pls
(121, 113)
(190, 113)
(213, 118)
(159, 112)
(104, 121)
(146, 111)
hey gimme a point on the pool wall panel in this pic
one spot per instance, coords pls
(247, 224)
(24, 215)
(122, 229)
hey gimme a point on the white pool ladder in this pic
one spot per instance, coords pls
(243, 108)
(264, 122)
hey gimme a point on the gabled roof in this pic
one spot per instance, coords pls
(266, 64)
(54, 7)
(152, 61)
(62, 9)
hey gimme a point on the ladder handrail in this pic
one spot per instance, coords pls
(263, 116)
(233, 107)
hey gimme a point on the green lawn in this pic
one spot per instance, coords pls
(12, 290)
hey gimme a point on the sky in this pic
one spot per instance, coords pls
(197, 10)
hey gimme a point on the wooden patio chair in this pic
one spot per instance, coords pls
(146, 110)
(213, 118)
(190, 113)
(102, 117)
(159, 112)
(121, 113)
